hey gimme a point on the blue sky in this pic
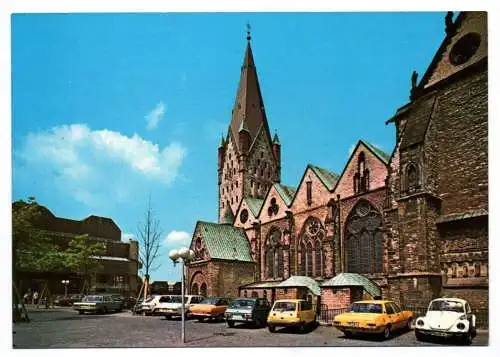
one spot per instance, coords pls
(109, 108)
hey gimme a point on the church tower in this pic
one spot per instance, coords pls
(248, 160)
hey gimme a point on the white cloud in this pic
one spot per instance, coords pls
(87, 163)
(178, 237)
(154, 117)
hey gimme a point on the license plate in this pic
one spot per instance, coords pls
(440, 334)
(238, 317)
(353, 323)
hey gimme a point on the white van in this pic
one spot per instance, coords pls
(172, 305)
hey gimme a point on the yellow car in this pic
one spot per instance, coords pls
(210, 307)
(373, 317)
(297, 313)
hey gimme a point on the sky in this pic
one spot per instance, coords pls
(110, 109)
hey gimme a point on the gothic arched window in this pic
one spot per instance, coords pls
(274, 254)
(302, 268)
(477, 269)
(194, 289)
(309, 263)
(280, 262)
(317, 253)
(411, 178)
(364, 239)
(203, 289)
(270, 263)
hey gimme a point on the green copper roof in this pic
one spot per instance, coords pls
(301, 281)
(228, 217)
(381, 154)
(224, 241)
(352, 279)
(254, 204)
(286, 192)
(328, 178)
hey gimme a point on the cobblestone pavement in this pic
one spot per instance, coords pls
(67, 329)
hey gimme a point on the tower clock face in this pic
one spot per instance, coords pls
(244, 216)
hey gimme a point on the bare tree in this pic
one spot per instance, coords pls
(149, 238)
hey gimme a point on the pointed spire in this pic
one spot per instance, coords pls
(222, 141)
(275, 139)
(249, 37)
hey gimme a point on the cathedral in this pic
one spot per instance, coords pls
(409, 225)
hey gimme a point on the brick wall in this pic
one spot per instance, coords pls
(336, 298)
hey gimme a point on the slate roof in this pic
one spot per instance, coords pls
(286, 192)
(416, 127)
(382, 155)
(352, 279)
(328, 178)
(462, 215)
(301, 281)
(224, 241)
(254, 204)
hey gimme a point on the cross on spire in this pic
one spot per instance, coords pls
(248, 31)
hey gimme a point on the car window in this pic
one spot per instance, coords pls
(396, 307)
(389, 309)
(365, 308)
(446, 305)
(242, 304)
(284, 306)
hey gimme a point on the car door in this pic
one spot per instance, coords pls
(391, 315)
(399, 315)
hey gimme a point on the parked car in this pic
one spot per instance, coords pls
(253, 310)
(170, 306)
(297, 313)
(374, 317)
(98, 304)
(210, 307)
(137, 306)
(447, 318)
(67, 300)
(149, 304)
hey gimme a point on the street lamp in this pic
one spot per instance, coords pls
(65, 283)
(184, 255)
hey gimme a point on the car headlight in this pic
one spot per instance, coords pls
(460, 326)
(420, 322)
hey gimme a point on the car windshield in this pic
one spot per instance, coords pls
(285, 306)
(366, 308)
(178, 299)
(446, 305)
(209, 301)
(242, 304)
(92, 298)
(149, 299)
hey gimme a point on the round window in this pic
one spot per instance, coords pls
(465, 48)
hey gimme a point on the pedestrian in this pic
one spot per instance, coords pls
(25, 297)
(35, 297)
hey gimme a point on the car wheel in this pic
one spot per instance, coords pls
(200, 319)
(230, 324)
(168, 317)
(467, 339)
(80, 312)
(258, 323)
(348, 334)
(271, 328)
(105, 310)
(419, 336)
(408, 324)
(387, 332)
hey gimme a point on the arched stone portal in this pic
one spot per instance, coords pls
(198, 284)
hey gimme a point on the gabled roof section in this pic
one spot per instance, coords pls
(224, 241)
(255, 204)
(328, 178)
(286, 192)
(382, 155)
(301, 281)
(248, 111)
(352, 279)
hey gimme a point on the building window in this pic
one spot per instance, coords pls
(309, 263)
(454, 271)
(237, 198)
(280, 262)
(194, 289)
(464, 48)
(261, 154)
(317, 253)
(244, 293)
(411, 178)
(309, 193)
(477, 269)
(364, 239)
(291, 269)
(251, 183)
(302, 267)
(356, 182)
(203, 289)
(236, 184)
(270, 263)
(222, 204)
(255, 294)
(465, 273)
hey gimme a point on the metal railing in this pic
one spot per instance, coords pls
(327, 315)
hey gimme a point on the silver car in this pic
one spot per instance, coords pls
(98, 304)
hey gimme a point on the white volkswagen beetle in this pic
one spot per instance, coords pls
(447, 318)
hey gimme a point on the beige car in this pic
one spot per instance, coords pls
(98, 304)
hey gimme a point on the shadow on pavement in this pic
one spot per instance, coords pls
(296, 330)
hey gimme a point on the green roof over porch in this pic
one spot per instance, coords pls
(353, 279)
(301, 282)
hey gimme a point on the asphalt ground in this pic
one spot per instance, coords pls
(64, 328)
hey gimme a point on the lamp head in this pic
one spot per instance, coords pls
(174, 255)
(183, 253)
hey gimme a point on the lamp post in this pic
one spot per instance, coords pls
(184, 255)
(65, 283)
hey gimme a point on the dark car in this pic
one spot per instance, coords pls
(248, 310)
